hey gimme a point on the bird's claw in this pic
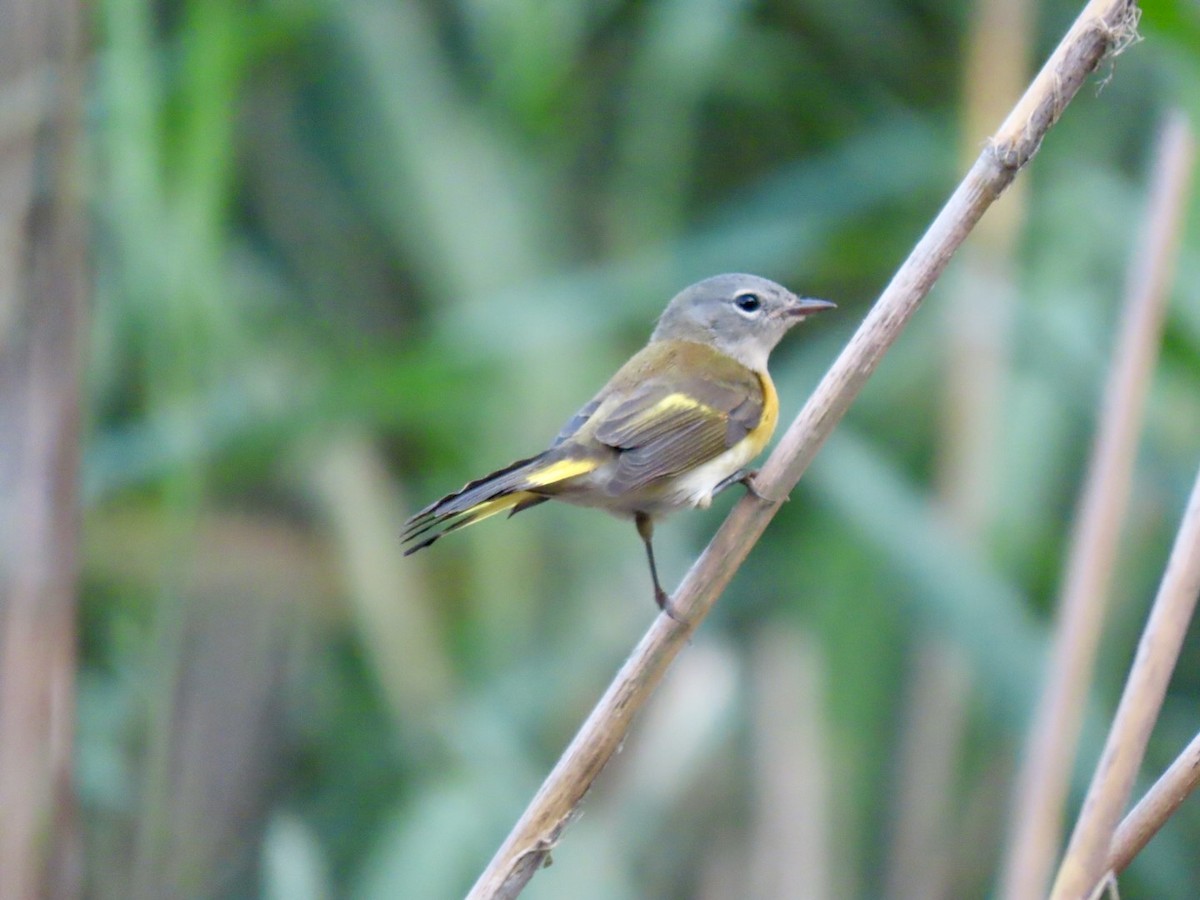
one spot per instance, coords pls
(663, 599)
(749, 480)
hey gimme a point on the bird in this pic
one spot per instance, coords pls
(676, 425)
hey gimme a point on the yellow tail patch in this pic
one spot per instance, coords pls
(489, 508)
(558, 471)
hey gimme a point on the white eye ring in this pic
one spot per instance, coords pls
(748, 303)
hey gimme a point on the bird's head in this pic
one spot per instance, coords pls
(743, 316)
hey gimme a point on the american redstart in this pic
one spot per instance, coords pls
(676, 425)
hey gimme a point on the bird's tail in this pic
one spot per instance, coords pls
(513, 488)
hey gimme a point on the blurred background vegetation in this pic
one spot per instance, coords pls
(350, 255)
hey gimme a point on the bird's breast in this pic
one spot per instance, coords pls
(761, 433)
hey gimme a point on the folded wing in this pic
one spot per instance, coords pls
(663, 430)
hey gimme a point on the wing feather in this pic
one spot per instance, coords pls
(662, 430)
(577, 421)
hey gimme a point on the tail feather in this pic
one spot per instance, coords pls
(530, 501)
(513, 488)
(474, 492)
(478, 513)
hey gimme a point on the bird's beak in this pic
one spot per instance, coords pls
(806, 306)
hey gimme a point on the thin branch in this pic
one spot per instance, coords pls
(1157, 653)
(1044, 779)
(1153, 810)
(1102, 26)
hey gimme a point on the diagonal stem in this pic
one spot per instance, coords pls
(1153, 810)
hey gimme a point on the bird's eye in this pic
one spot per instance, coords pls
(748, 303)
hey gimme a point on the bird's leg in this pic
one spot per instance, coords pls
(746, 478)
(645, 528)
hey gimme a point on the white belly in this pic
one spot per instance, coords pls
(696, 487)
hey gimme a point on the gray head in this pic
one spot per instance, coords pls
(743, 316)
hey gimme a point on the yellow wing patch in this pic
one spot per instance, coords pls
(676, 401)
(632, 425)
(559, 471)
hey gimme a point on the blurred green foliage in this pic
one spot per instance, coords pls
(351, 255)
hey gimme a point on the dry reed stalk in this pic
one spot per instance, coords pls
(1153, 810)
(1087, 853)
(979, 308)
(936, 707)
(1102, 26)
(791, 851)
(43, 332)
(1044, 779)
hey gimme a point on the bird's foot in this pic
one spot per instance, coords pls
(748, 478)
(663, 599)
